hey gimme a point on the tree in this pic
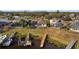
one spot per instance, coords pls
(22, 22)
(58, 11)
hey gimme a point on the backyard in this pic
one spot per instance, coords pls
(58, 37)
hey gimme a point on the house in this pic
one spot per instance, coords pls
(33, 23)
(7, 14)
(16, 24)
(42, 23)
(75, 26)
(16, 17)
(4, 22)
(72, 16)
(15, 21)
(57, 23)
(77, 17)
(53, 21)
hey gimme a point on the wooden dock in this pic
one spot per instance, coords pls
(12, 35)
(71, 44)
(43, 40)
(27, 40)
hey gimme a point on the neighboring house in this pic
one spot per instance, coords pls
(15, 21)
(72, 16)
(2, 17)
(77, 17)
(34, 23)
(75, 26)
(7, 14)
(4, 24)
(16, 17)
(24, 17)
(16, 24)
(53, 21)
(42, 23)
(56, 23)
(59, 24)
(4, 21)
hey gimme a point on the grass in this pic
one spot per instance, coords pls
(56, 35)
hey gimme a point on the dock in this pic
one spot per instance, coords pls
(27, 40)
(71, 44)
(12, 35)
(43, 40)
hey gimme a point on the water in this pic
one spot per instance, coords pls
(35, 45)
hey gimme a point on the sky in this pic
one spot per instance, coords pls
(10, 5)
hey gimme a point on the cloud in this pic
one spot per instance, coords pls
(39, 5)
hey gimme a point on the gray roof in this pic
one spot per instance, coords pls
(75, 26)
(4, 20)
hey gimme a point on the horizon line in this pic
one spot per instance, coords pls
(39, 10)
